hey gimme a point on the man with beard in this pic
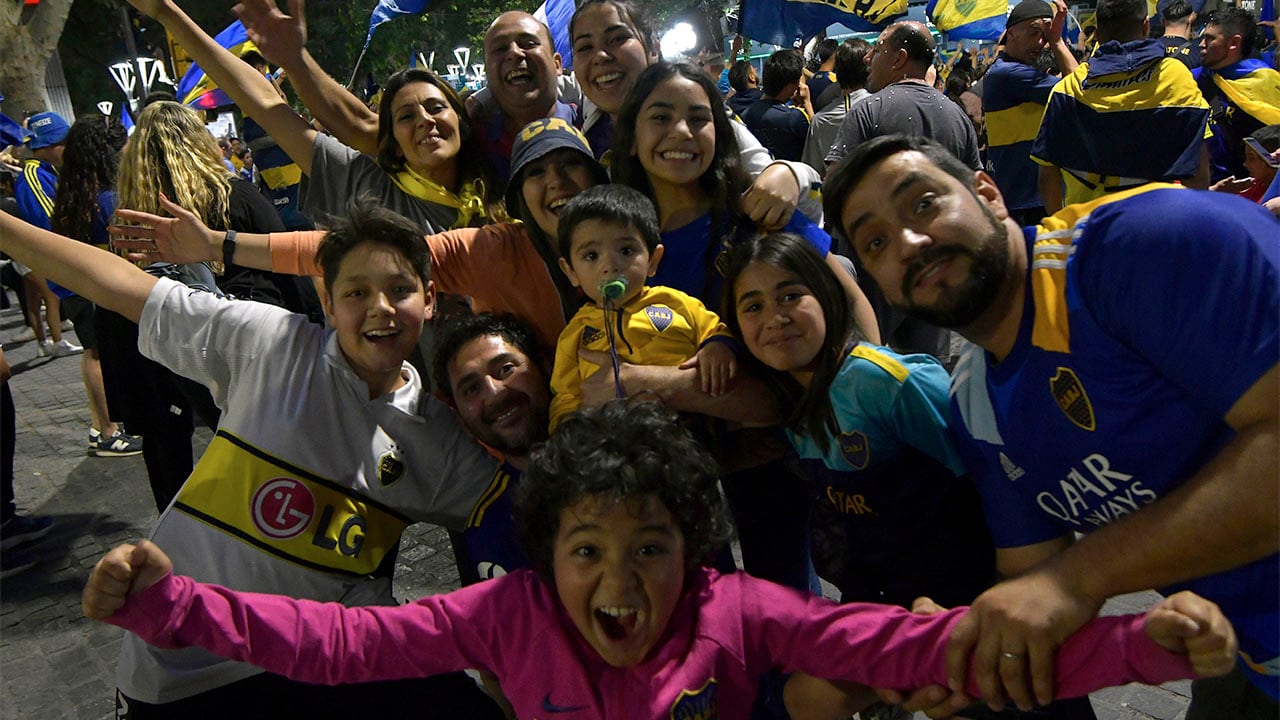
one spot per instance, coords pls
(1125, 385)
(489, 370)
(1014, 92)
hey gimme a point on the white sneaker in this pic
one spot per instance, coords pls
(45, 349)
(64, 347)
(67, 326)
(27, 335)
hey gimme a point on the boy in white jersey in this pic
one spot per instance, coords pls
(327, 449)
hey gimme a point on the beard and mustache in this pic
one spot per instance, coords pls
(988, 265)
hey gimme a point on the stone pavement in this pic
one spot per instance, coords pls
(56, 665)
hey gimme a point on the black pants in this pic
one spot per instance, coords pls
(8, 443)
(271, 697)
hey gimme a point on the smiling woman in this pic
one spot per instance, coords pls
(429, 168)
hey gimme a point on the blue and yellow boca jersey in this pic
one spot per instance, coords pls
(1148, 314)
(1122, 95)
(1013, 99)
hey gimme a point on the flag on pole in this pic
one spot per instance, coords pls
(969, 19)
(555, 14)
(197, 90)
(125, 118)
(390, 10)
(780, 22)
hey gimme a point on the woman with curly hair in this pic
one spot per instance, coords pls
(81, 210)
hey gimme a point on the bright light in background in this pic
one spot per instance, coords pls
(678, 41)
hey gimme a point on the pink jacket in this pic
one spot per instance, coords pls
(726, 631)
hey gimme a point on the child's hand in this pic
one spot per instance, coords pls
(717, 365)
(1188, 624)
(124, 571)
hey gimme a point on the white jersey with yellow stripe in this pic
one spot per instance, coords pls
(307, 485)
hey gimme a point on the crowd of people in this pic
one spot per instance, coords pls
(879, 320)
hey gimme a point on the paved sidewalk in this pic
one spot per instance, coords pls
(56, 665)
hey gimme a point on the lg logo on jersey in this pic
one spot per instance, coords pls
(283, 508)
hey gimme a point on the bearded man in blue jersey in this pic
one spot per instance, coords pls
(1124, 385)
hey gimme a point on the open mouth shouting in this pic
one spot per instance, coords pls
(518, 77)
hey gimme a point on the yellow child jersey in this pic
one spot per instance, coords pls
(660, 326)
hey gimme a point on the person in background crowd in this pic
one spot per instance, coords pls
(780, 118)
(851, 69)
(1179, 17)
(1014, 93)
(1242, 92)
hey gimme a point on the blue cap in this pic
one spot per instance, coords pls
(539, 138)
(46, 128)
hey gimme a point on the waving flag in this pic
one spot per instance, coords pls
(555, 14)
(390, 10)
(198, 90)
(780, 22)
(969, 19)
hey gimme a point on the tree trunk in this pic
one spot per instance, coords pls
(27, 47)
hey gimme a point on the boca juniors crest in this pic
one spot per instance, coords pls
(660, 316)
(856, 449)
(700, 704)
(390, 467)
(1069, 393)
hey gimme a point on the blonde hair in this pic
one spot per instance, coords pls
(172, 152)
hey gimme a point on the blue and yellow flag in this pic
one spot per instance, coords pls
(780, 22)
(197, 90)
(969, 19)
(1250, 85)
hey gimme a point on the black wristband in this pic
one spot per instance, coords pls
(228, 249)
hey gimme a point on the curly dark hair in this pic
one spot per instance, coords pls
(90, 164)
(622, 452)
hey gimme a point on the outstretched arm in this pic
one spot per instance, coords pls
(255, 94)
(103, 278)
(282, 39)
(1166, 542)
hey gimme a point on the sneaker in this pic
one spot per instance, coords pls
(22, 529)
(63, 348)
(67, 326)
(45, 349)
(13, 563)
(27, 335)
(118, 445)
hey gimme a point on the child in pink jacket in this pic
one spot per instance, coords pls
(621, 620)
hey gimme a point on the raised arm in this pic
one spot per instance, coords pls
(253, 93)
(103, 278)
(282, 39)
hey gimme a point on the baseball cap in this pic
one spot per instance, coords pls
(539, 138)
(46, 128)
(1029, 10)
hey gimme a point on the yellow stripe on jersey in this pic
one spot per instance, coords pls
(1053, 247)
(879, 359)
(495, 490)
(31, 171)
(287, 511)
(1019, 123)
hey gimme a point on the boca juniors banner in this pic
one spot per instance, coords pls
(969, 19)
(780, 22)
